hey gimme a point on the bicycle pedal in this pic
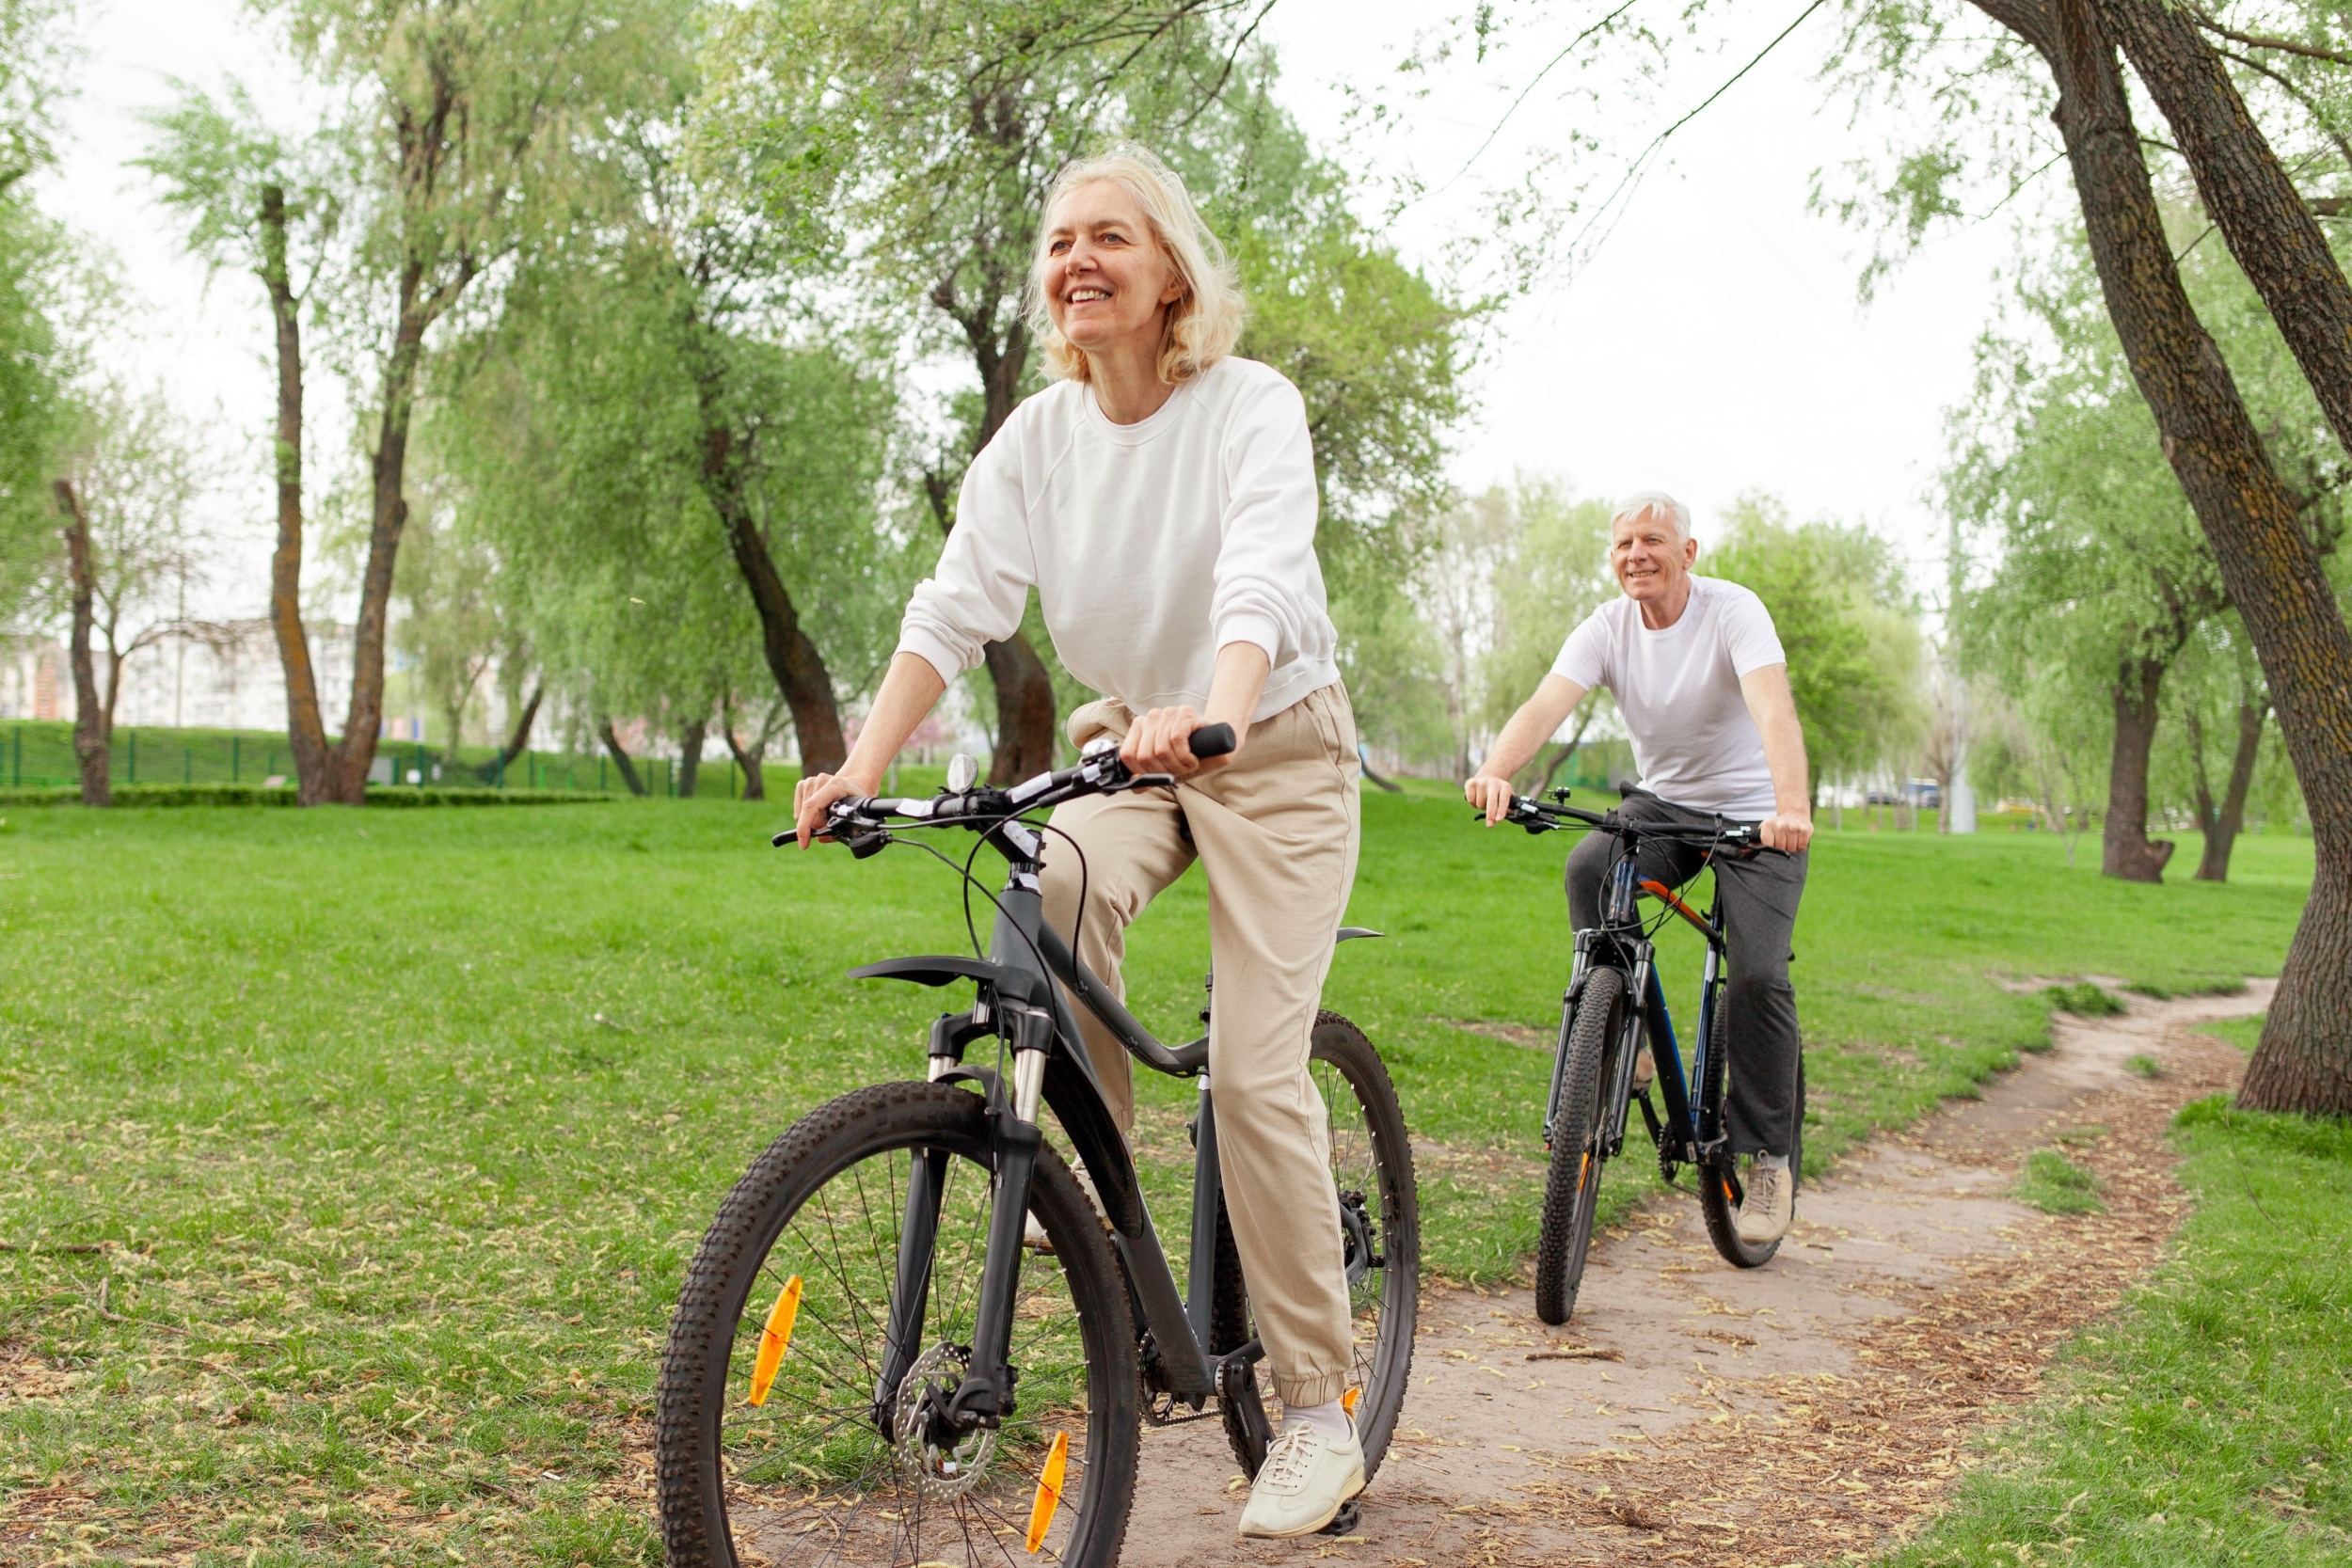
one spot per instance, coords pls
(1351, 1514)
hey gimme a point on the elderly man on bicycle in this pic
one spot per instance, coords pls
(1698, 673)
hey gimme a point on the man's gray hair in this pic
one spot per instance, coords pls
(1640, 501)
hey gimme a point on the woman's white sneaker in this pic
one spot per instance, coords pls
(1305, 1479)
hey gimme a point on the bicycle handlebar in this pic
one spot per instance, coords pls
(1539, 817)
(862, 821)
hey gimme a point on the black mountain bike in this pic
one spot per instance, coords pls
(870, 1365)
(1616, 1004)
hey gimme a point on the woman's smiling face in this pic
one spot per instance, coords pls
(1107, 282)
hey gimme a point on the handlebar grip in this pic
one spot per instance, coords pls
(1212, 740)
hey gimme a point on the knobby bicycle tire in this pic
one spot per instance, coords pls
(1719, 1194)
(1572, 1184)
(718, 1482)
(1373, 1159)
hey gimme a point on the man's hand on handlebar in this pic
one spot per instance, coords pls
(811, 796)
(1160, 741)
(1789, 831)
(1489, 794)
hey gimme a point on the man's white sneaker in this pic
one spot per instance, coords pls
(1645, 1069)
(1770, 1205)
(1305, 1479)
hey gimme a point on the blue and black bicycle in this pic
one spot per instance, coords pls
(1613, 1007)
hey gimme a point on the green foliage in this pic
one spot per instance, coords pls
(2085, 999)
(396, 797)
(2056, 1185)
(34, 404)
(1848, 623)
(1555, 575)
(2210, 1423)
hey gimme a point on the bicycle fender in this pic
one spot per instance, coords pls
(938, 969)
(1096, 1139)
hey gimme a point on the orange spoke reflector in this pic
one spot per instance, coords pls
(1585, 1171)
(773, 1339)
(1347, 1401)
(1048, 1491)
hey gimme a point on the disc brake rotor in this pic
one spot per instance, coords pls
(939, 1473)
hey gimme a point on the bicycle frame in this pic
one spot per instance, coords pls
(1019, 1003)
(1691, 1131)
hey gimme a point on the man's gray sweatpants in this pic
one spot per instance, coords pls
(1760, 893)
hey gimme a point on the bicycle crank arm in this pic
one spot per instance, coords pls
(1237, 1387)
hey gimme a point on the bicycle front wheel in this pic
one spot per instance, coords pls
(1372, 1167)
(784, 1427)
(1572, 1184)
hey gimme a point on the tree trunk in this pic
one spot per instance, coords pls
(89, 734)
(2128, 852)
(305, 732)
(2221, 837)
(1026, 720)
(388, 472)
(748, 759)
(690, 757)
(800, 670)
(2247, 192)
(2268, 564)
(2273, 569)
(620, 757)
(1025, 711)
(520, 741)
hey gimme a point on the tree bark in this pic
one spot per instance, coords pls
(305, 732)
(520, 741)
(620, 757)
(792, 658)
(2221, 832)
(2128, 852)
(2270, 565)
(1025, 711)
(690, 757)
(90, 731)
(2247, 192)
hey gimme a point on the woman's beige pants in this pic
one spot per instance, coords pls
(1277, 831)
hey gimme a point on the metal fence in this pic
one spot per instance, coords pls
(39, 752)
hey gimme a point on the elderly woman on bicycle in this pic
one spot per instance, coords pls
(1161, 498)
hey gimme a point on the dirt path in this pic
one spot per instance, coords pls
(1797, 1413)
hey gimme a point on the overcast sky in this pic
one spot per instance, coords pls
(1713, 346)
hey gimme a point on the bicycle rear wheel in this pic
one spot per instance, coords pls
(1572, 1186)
(802, 1261)
(1372, 1166)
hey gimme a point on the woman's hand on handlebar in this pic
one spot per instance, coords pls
(812, 795)
(1489, 794)
(1160, 741)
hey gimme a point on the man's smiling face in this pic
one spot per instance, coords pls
(1649, 555)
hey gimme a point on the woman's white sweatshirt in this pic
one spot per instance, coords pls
(1150, 545)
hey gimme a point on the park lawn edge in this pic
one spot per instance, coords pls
(2210, 1419)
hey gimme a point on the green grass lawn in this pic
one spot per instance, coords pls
(400, 1126)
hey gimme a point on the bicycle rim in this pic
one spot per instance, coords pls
(790, 1300)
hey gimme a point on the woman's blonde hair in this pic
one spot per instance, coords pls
(1204, 324)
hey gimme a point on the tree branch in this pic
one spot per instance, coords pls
(2259, 41)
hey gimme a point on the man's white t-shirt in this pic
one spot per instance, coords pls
(1694, 740)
